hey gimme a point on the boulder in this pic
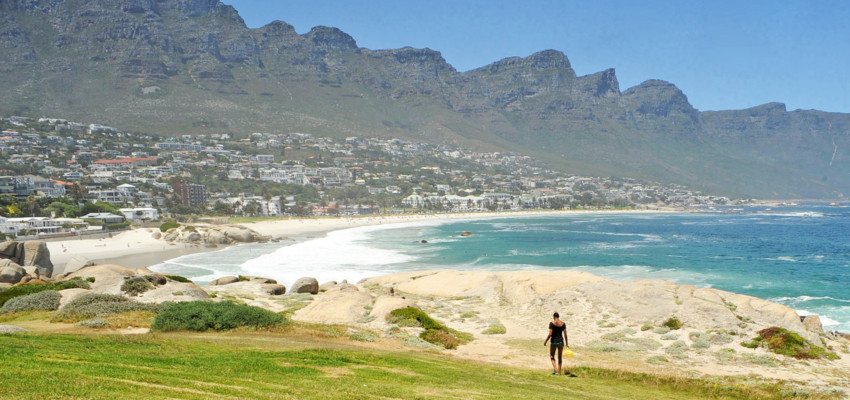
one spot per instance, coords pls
(812, 323)
(35, 252)
(327, 286)
(171, 235)
(75, 263)
(8, 249)
(8, 263)
(173, 291)
(108, 278)
(157, 235)
(274, 289)
(193, 237)
(32, 271)
(240, 234)
(68, 295)
(11, 274)
(215, 237)
(224, 280)
(305, 285)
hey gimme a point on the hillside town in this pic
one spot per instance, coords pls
(58, 176)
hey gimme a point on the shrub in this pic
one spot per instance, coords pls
(700, 340)
(99, 305)
(495, 328)
(441, 338)
(412, 316)
(670, 336)
(47, 300)
(204, 315)
(657, 360)
(787, 343)
(645, 327)
(673, 323)
(17, 291)
(435, 332)
(94, 323)
(136, 285)
(168, 225)
(661, 330)
(364, 337)
(678, 350)
(178, 278)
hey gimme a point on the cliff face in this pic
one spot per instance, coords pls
(193, 66)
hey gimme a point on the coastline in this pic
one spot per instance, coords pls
(138, 248)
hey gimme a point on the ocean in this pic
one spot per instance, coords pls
(798, 256)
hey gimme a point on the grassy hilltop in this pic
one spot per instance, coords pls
(307, 364)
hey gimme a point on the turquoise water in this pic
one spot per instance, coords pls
(798, 256)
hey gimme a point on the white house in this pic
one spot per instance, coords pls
(139, 213)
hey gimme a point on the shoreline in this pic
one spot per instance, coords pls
(137, 248)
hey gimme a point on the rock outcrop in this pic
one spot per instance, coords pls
(25, 254)
(214, 235)
(306, 285)
(109, 278)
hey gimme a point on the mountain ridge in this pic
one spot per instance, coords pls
(193, 66)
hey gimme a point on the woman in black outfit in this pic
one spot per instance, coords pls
(558, 334)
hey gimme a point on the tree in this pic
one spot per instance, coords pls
(32, 204)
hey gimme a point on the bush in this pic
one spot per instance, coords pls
(203, 315)
(673, 323)
(678, 350)
(22, 290)
(435, 332)
(94, 323)
(700, 340)
(495, 328)
(657, 360)
(99, 305)
(178, 278)
(787, 343)
(441, 338)
(47, 300)
(136, 285)
(661, 330)
(168, 225)
(645, 327)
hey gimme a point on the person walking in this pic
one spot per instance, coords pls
(558, 334)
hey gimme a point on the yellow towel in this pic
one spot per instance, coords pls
(568, 352)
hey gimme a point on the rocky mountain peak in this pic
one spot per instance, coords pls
(659, 98)
(600, 84)
(329, 39)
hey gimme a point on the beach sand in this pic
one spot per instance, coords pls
(138, 248)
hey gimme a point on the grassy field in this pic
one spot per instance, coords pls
(298, 365)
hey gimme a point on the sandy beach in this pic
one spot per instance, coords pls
(138, 248)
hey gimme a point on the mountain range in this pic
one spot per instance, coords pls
(192, 66)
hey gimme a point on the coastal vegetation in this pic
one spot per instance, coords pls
(22, 290)
(787, 343)
(99, 305)
(435, 332)
(300, 363)
(204, 315)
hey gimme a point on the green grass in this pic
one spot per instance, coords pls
(265, 366)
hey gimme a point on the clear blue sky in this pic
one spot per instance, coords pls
(723, 54)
